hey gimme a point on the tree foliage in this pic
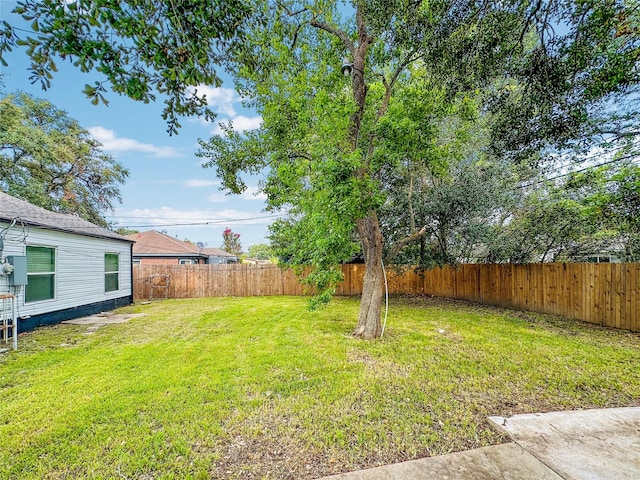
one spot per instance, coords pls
(551, 224)
(536, 77)
(573, 86)
(614, 199)
(590, 212)
(48, 159)
(124, 231)
(261, 251)
(620, 205)
(141, 48)
(450, 190)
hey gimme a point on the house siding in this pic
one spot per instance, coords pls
(79, 279)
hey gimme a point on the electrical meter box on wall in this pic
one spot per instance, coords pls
(19, 274)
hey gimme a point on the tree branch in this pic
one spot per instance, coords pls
(295, 36)
(289, 12)
(527, 22)
(342, 35)
(412, 219)
(293, 156)
(388, 86)
(388, 89)
(397, 247)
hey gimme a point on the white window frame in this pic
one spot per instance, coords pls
(111, 272)
(186, 261)
(53, 274)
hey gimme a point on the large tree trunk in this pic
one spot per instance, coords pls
(369, 326)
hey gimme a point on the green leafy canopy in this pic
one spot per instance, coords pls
(141, 48)
(49, 160)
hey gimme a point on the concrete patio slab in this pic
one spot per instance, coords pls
(599, 444)
(101, 319)
(507, 462)
(581, 445)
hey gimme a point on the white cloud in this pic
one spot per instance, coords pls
(217, 198)
(252, 193)
(223, 101)
(114, 144)
(243, 124)
(240, 123)
(199, 183)
(220, 99)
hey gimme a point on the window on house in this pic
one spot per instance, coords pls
(136, 262)
(186, 261)
(111, 272)
(41, 274)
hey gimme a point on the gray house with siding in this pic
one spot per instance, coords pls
(60, 266)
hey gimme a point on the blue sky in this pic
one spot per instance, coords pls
(167, 188)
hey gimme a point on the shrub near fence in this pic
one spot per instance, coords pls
(604, 294)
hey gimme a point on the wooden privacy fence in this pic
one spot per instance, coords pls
(198, 281)
(605, 294)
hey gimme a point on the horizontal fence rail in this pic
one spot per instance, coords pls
(606, 294)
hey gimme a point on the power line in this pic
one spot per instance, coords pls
(584, 159)
(626, 157)
(136, 217)
(211, 222)
(86, 225)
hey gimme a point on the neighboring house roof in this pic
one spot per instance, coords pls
(216, 252)
(156, 244)
(13, 208)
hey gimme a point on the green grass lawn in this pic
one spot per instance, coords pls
(263, 388)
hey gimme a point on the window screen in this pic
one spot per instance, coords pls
(111, 272)
(41, 276)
